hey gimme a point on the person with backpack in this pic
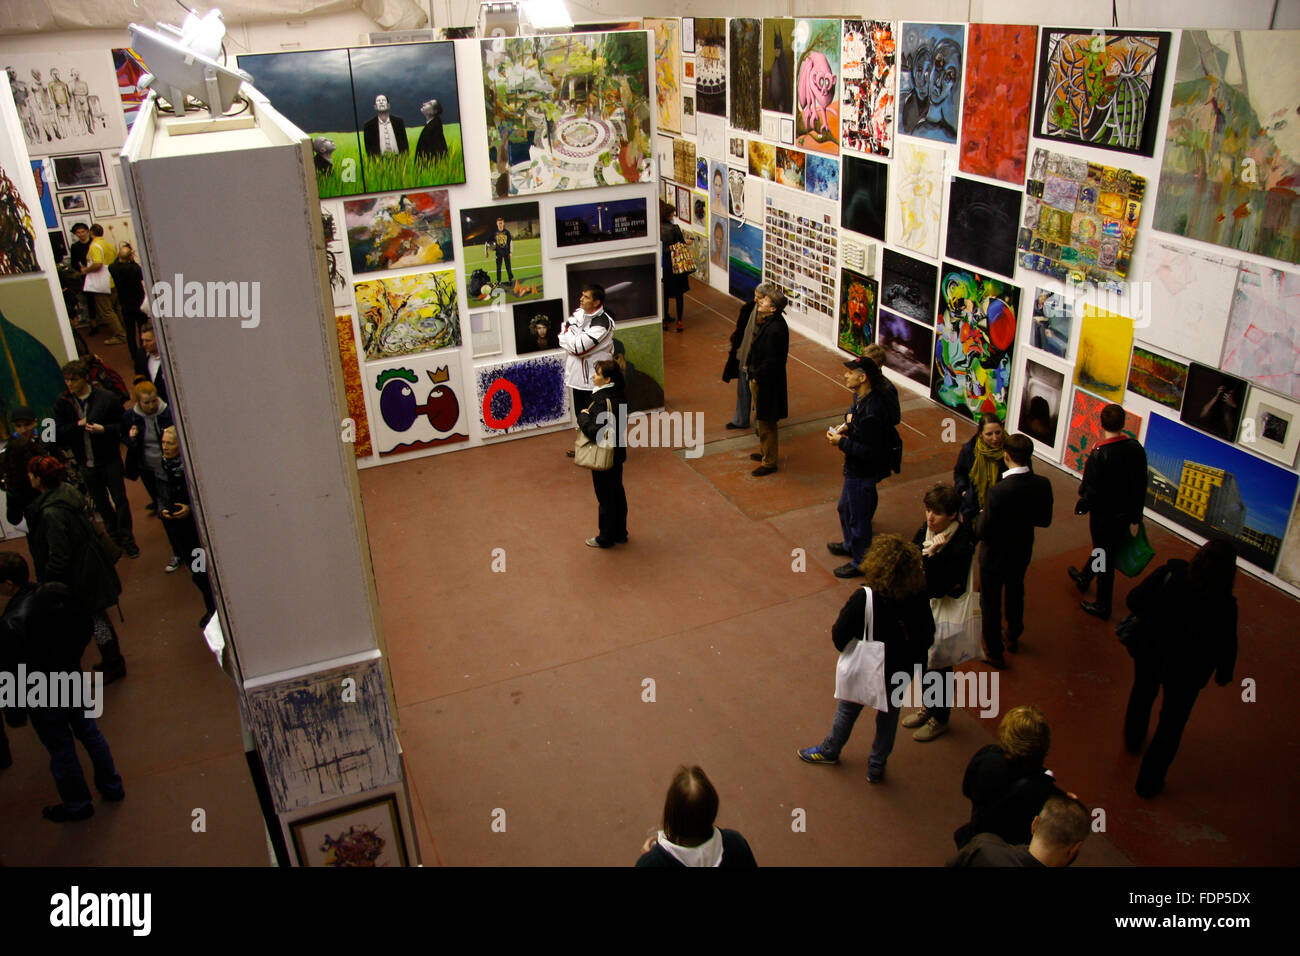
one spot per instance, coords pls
(45, 628)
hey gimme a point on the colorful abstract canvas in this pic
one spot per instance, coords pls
(667, 34)
(402, 315)
(868, 56)
(974, 338)
(744, 258)
(1263, 340)
(790, 167)
(504, 243)
(982, 221)
(778, 66)
(418, 402)
(745, 58)
(353, 387)
(1052, 321)
(1232, 156)
(858, 295)
(999, 94)
(17, 234)
(1085, 432)
(1189, 295)
(1105, 343)
(929, 80)
(908, 346)
(816, 68)
(711, 66)
(1213, 401)
(865, 189)
(762, 159)
(567, 112)
(822, 176)
(1101, 88)
(522, 395)
(1157, 377)
(44, 192)
(396, 230)
(907, 285)
(1081, 219)
(916, 202)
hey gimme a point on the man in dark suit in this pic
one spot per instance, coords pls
(149, 363)
(1111, 494)
(384, 133)
(1019, 502)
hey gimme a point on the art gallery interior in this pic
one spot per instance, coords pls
(396, 216)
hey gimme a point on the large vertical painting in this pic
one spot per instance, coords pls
(402, 315)
(1041, 397)
(1263, 341)
(418, 402)
(397, 230)
(982, 220)
(640, 351)
(17, 235)
(744, 259)
(778, 65)
(817, 69)
(566, 112)
(929, 80)
(710, 67)
(353, 387)
(868, 54)
(916, 202)
(858, 295)
(745, 53)
(67, 102)
(667, 35)
(1105, 342)
(866, 191)
(999, 94)
(1052, 322)
(974, 337)
(1101, 88)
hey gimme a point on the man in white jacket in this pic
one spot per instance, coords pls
(588, 337)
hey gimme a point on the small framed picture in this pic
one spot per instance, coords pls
(684, 204)
(101, 202)
(74, 203)
(78, 171)
(364, 834)
(485, 333)
(1271, 426)
(787, 130)
(688, 34)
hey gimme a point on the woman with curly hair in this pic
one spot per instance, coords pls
(894, 572)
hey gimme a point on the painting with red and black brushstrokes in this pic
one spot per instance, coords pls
(999, 94)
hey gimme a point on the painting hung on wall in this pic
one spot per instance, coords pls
(74, 203)
(566, 112)
(1263, 341)
(1213, 401)
(1157, 377)
(1052, 320)
(907, 286)
(683, 204)
(405, 229)
(717, 188)
(1081, 219)
(336, 252)
(974, 337)
(667, 37)
(1271, 426)
(929, 80)
(867, 56)
(1040, 402)
(621, 221)
(419, 403)
(711, 65)
(999, 95)
(684, 161)
(908, 346)
(641, 349)
(701, 172)
(822, 176)
(858, 294)
(1085, 432)
(17, 234)
(405, 314)
(816, 48)
(790, 167)
(736, 193)
(762, 159)
(718, 242)
(79, 171)
(523, 395)
(45, 193)
(744, 259)
(1105, 341)
(982, 220)
(631, 284)
(745, 53)
(537, 325)
(503, 251)
(130, 70)
(365, 834)
(353, 387)
(778, 65)
(917, 201)
(866, 183)
(1189, 298)
(1101, 88)
(31, 349)
(66, 101)
(688, 110)
(1218, 490)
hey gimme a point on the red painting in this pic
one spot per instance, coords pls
(1085, 432)
(999, 95)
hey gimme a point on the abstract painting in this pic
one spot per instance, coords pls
(816, 66)
(1085, 433)
(1263, 342)
(684, 161)
(367, 834)
(1189, 296)
(1271, 426)
(642, 350)
(567, 112)
(77, 170)
(858, 295)
(67, 101)
(667, 34)
(711, 66)
(352, 385)
(399, 229)
(17, 234)
(537, 326)
(1052, 320)
(418, 402)
(1105, 343)
(405, 314)
(1101, 88)
(1213, 401)
(745, 52)
(982, 222)
(907, 286)
(1157, 377)
(822, 176)
(999, 95)
(865, 189)
(611, 224)
(130, 69)
(762, 159)
(1232, 156)
(929, 80)
(790, 167)
(908, 346)
(518, 396)
(867, 57)
(1081, 219)
(33, 352)
(1218, 490)
(974, 337)
(502, 246)
(631, 284)
(778, 66)
(917, 198)
(744, 259)
(1040, 403)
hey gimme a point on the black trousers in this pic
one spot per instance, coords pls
(1108, 535)
(183, 534)
(104, 482)
(581, 399)
(612, 502)
(509, 272)
(1174, 712)
(995, 579)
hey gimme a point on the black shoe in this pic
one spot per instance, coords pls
(1147, 790)
(733, 426)
(1095, 609)
(762, 470)
(1081, 580)
(875, 777)
(837, 549)
(755, 457)
(132, 550)
(57, 813)
(569, 453)
(849, 570)
(1000, 663)
(1012, 644)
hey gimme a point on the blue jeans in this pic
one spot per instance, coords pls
(59, 730)
(846, 715)
(858, 500)
(743, 401)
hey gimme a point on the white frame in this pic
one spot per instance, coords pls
(1258, 400)
(649, 192)
(101, 202)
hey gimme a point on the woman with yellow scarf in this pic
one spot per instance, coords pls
(979, 465)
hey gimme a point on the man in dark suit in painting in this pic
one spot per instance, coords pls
(384, 133)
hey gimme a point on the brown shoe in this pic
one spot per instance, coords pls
(762, 470)
(756, 457)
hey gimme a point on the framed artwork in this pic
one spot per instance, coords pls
(402, 315)
(858, 298)
(688, 71)
(31, 347)
(865, 189)
(684, 204)
(762, 159)
(537, 325)
(744, 259)
(74, 203)
(929, 80)
(609, 225)
(718, 242)
(1042, 393)
(353, 387)
(1075, 105)
(701, 172)
(17, 238)
(688, 34)
(907, 286)
(118, 229)
(737, 152)
(522, 395)
(398, 230)
(787, 130)
(1263, 340)
(745, 52)
(908, 346)
(642, 350)
(1105, 342)
(982, 221)
(631, 284)
(130, 70)
(1052, 321)
(79, 171)
(688, 110)
(790, 167)
(816, 46)
(1213, 401)
(717, 188)
(365, 834)
(778, 67)
(1085, 433)
(1271, 426)
(1189, 299)
(67, 101)
(974, 338)
(59, 244)
(711, 69)
(736, 192)
(418, 401)
(485, 333)
(710, 132)
(916, 201)
(502, 247)
(822, 176)
(699, 211)
(664, 156)
(666, 35)
(868, 61)
(999, 96)
(684, 161)
(44, 192)
(336, 252)
(1157, 378)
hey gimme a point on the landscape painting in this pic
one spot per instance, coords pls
(402, 315)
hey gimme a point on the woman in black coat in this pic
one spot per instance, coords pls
(741, 338)
(979, 465)
(675, 286)
(769, 348)
(608, 409)
(1189, 616)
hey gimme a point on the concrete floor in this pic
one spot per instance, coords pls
(523, 691)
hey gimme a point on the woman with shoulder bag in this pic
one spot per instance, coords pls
(602, 419)
(676, 285)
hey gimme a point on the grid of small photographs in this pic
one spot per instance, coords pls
(799, 255)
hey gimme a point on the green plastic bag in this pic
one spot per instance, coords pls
(1136, 553)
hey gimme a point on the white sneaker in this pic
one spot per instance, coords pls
(173, 565)
(916, 719)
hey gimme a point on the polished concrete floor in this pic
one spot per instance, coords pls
(559, 695)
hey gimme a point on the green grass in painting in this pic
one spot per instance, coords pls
(353, 173)
(525, 262)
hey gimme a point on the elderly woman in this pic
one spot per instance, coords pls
(764, 367)
(901, 621)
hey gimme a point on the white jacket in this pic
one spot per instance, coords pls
(588, 339)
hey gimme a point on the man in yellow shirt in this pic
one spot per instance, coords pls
(99, 257)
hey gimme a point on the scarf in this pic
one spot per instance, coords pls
(742, 353)
(985, 469)
(934, 543)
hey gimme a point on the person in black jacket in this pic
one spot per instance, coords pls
(1058, 834)
(87, 422)
(24, 445)
(689, 837)
(741, 338)
(675, 285)
(863, 437)
(178, 519)
(128, 279)
(1019, 502)
(1191, 617)
(980, 463)
(947, 549)
(902, 622)
(765, 365)
(149, 363)
(608, 412)
(1111, 494)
